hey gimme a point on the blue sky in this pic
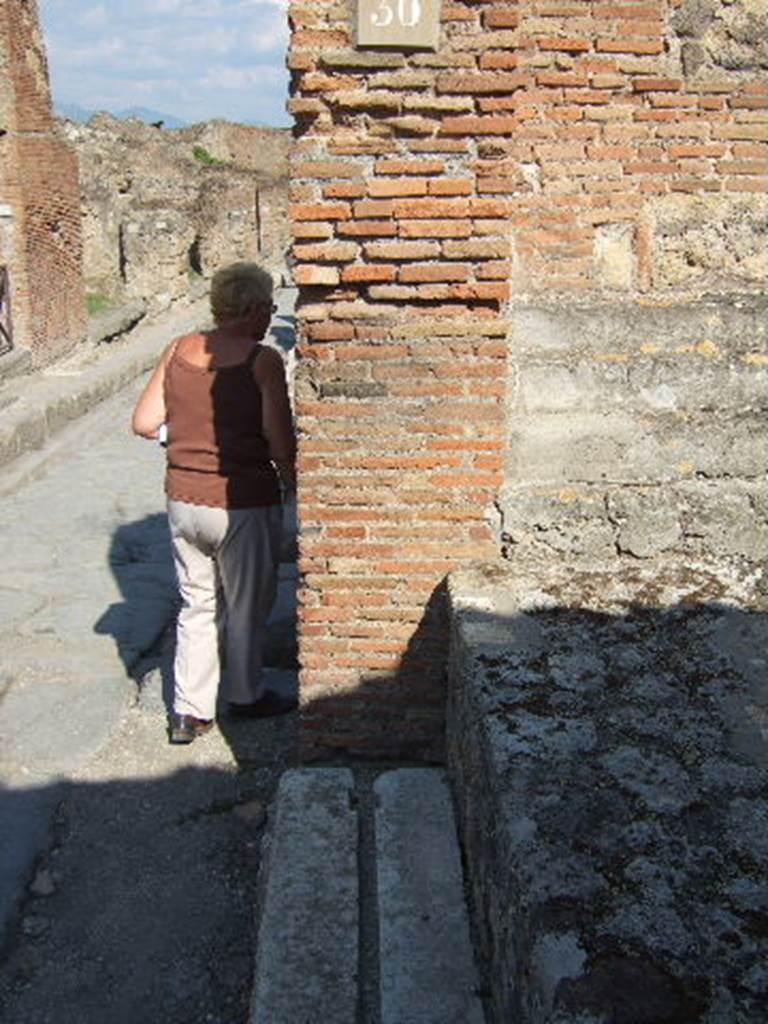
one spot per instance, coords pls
(196, 59)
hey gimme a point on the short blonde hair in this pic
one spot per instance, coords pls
(236, 290)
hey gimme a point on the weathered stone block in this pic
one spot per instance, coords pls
(599, 723)
(710, 241)
(561, 520)
(648, 522)
(619, 447)
(363, 59)
(706, 329)
(615, 255)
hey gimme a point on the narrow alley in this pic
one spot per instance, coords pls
(128, 865)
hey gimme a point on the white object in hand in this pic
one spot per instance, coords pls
(162, 434)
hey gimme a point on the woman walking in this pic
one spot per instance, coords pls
(222, 397)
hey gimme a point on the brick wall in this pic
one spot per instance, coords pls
(542, 151)
(39, 182)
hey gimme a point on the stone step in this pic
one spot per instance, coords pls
(425, 957)
(307, 942)
(309, 967)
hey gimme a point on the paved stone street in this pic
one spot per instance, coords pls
(127, 866)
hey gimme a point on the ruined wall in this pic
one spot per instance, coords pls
(608, 760)
(156, 217)
(263, 153)
(41, 239)
(507, 252)
(638, 431)
(637, 405)
(247, 147)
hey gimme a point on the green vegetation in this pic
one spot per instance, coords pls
(97, 303)
(201, 153)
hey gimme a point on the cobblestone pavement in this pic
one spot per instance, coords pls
(127, 866)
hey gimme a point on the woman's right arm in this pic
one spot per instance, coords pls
(149, 413)
(277, 420)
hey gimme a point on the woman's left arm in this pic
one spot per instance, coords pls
(149, 414)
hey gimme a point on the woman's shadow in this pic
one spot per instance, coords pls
(142, 625)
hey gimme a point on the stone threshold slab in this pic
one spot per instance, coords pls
(308, 963)
(426, 963)
(307, 942)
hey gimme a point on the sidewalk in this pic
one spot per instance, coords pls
(81, 535)
(36, 406)
(87, 588)
(130, 869)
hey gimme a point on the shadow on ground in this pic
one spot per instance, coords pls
(138, 892)
(609, 771)
(141, 906)
(142, 623)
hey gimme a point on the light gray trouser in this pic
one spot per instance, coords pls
(226, 566)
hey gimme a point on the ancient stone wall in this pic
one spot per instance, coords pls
(609, 767)
(164, 208)
(246, 147)
(41, 238)
(526, 223)
(259, 154)
(637, 431)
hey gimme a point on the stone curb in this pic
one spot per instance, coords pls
(427, 970)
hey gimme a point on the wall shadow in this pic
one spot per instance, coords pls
(131, 901)
(135, 898)
(609, 772)
(609, 775)
(392, 715)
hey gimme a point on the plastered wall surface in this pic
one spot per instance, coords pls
(529, 263)
(41, 238)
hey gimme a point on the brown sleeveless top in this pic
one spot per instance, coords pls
(217, 454)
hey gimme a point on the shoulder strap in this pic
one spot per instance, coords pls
(252, 355)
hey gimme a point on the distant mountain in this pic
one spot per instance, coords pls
(152, 116)
(75, 112)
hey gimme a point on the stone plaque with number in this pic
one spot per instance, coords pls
(402, 24)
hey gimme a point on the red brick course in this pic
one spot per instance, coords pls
(41, 243)
(490, 169)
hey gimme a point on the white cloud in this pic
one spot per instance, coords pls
(95, 17)
(269, 37)
(95, 54)
(240, 78)
(161, 6)
(192, 58)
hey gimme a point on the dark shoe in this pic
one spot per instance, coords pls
(271, 704)
(185, 728)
